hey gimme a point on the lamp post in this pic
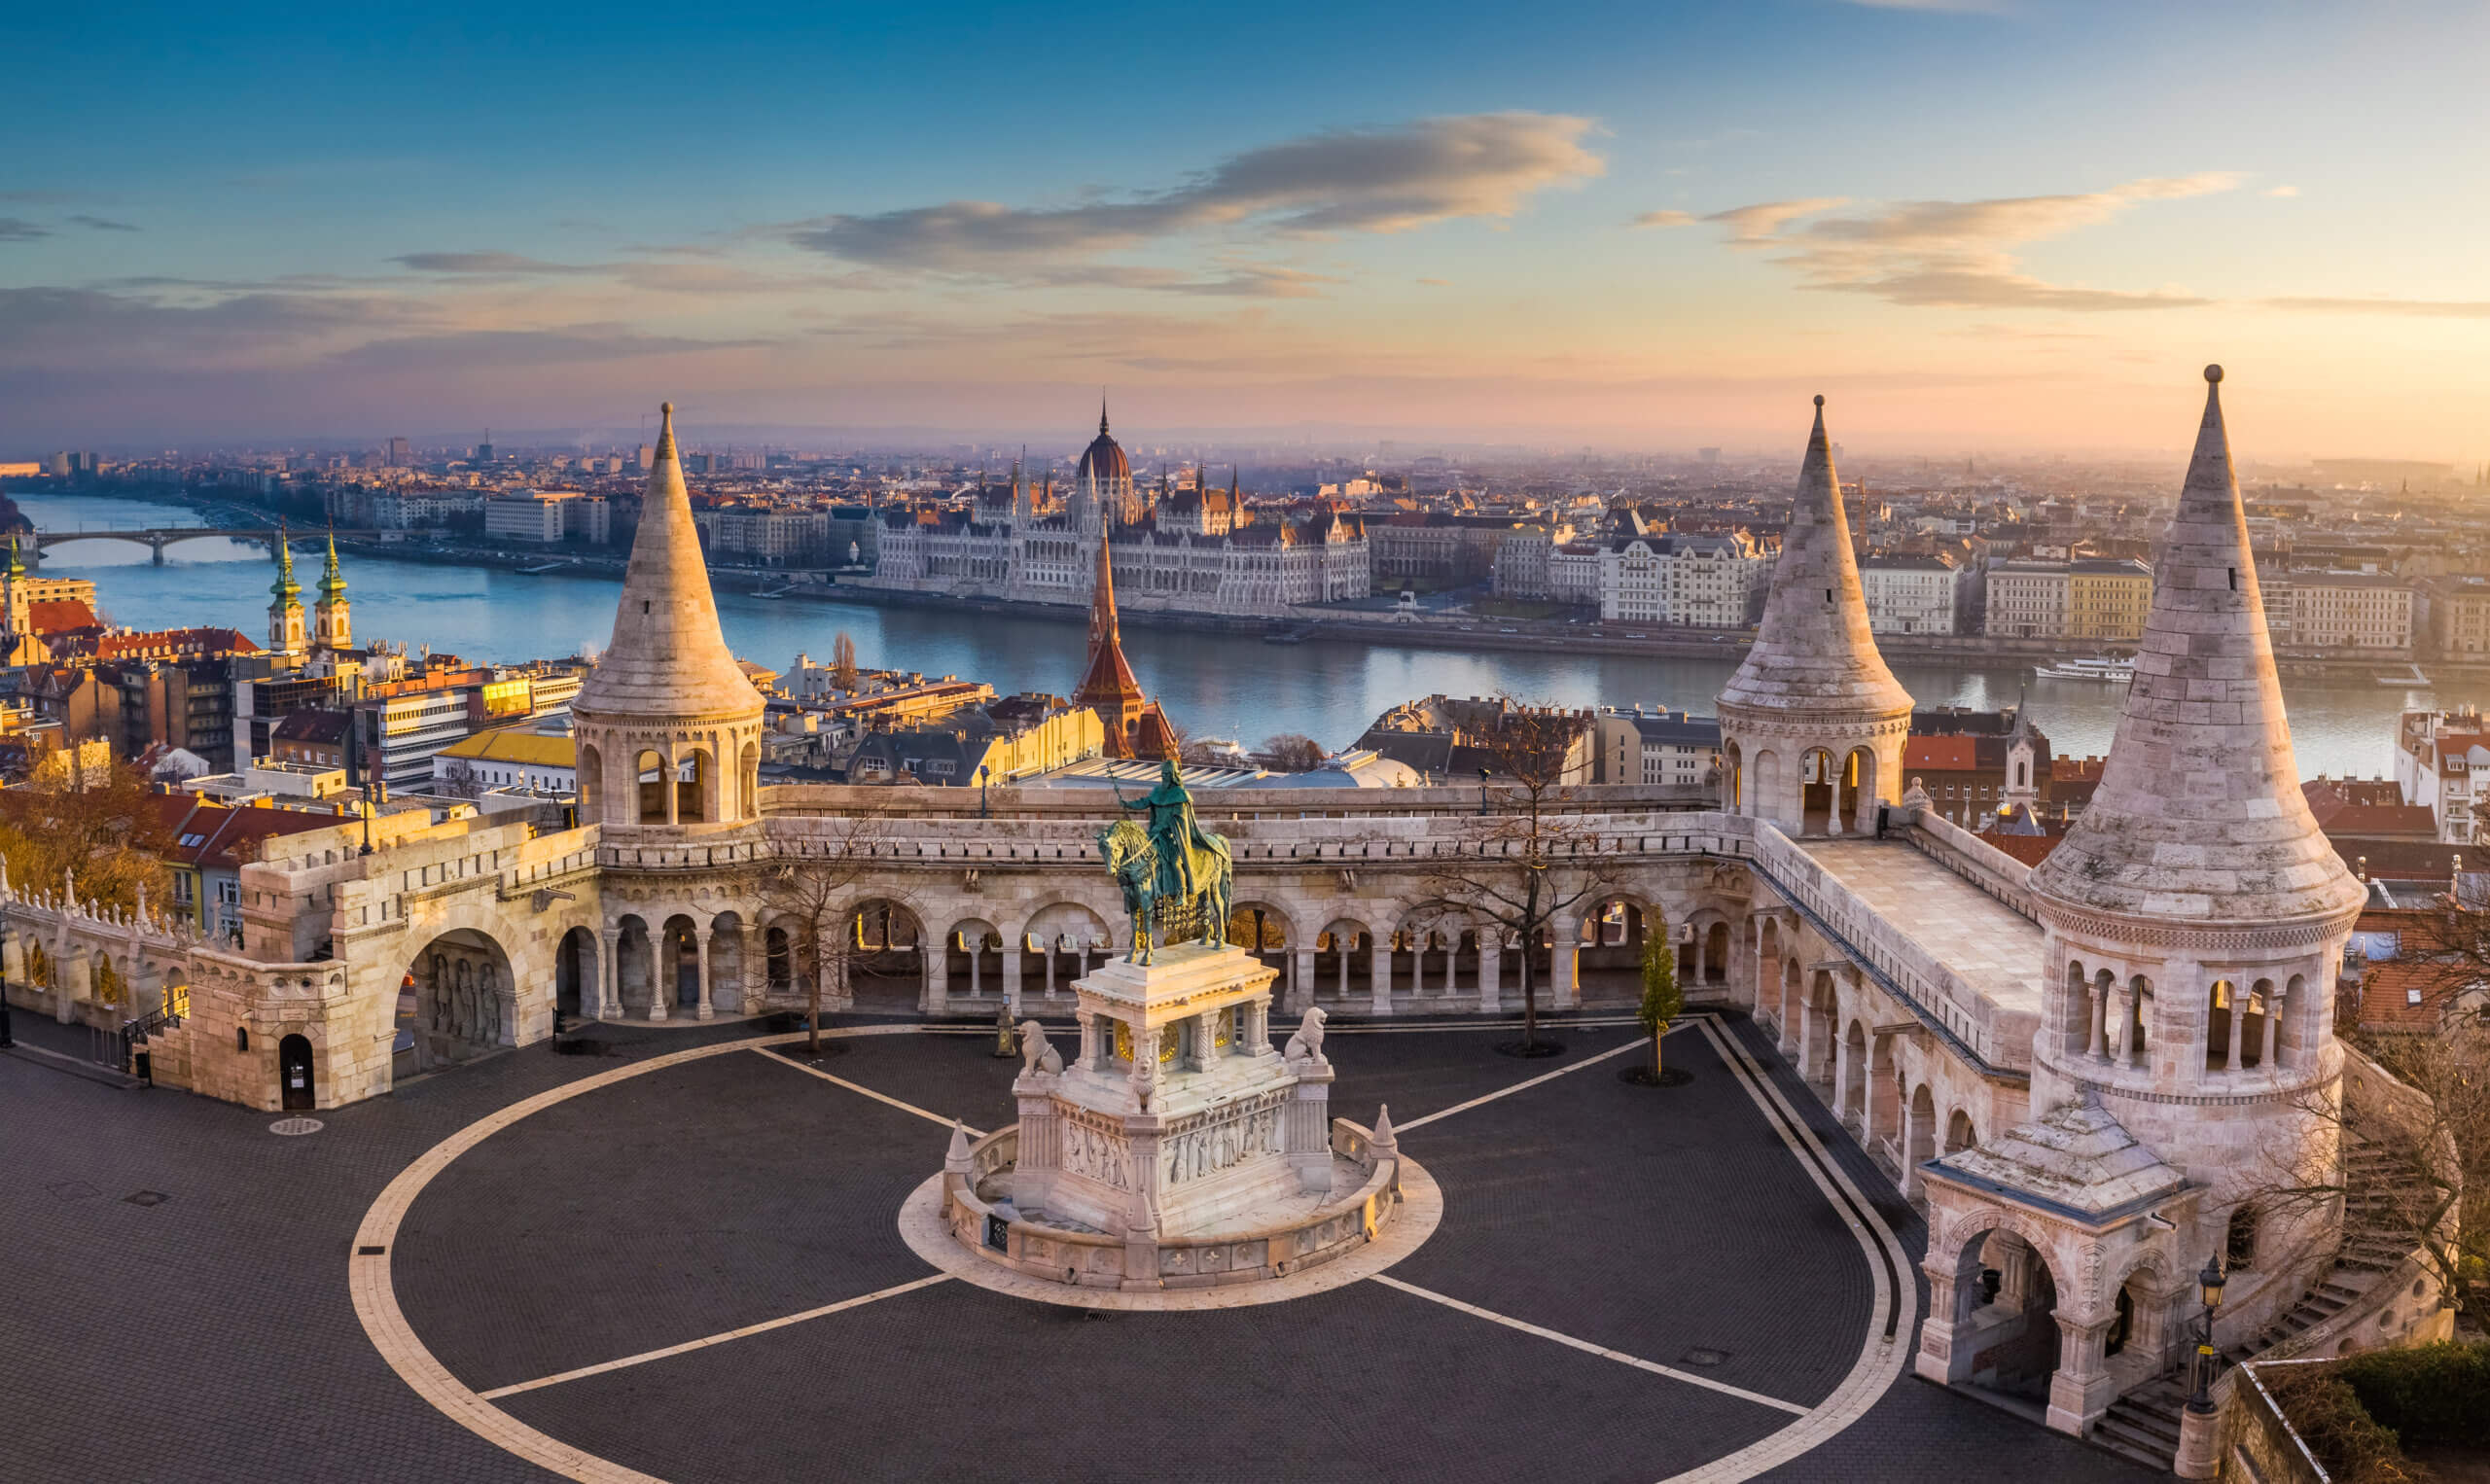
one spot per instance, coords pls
(1483, 793)
(2209, 1283)
(6, 1040)
(983, 770)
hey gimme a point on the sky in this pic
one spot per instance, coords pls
(1975, 226)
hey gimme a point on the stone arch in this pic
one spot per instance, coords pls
(1713, 964)
(649, 769)
(588, 773)
(1433, 946)
(1344, 959)
(695, 797)
(1059, 942)
(1793, 1004)
(885, 950)
(2141, 1309)
(1267, 930)
(748, 782)
(1762, 781)
(1860, 791)
(972, 958)
(2222, 1013)
(1818, 1018)
(1884, 1100)
(1608, 957)
(1919, 1142)
(575, 970)
(2137, 1020)
(729, 975)
(2292, 1030)
(466, 999)
(1820, 773)
(1999, 1293)
(1961, 1133)
(635, 973)
(1732, 778)
(778, 958)
(681, 950)
(2257, 1023)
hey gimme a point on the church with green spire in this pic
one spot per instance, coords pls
(286, 634)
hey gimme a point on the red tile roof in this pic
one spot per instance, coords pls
(1940, 754)
(54, 615)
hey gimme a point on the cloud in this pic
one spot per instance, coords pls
(2282, 192)
(452, 353)
(1350, 181)
(19, 230)
(103, 224)
(508, 265)
(1954, 254)
(1665, 218)
(1948, 7)
(2421, 308)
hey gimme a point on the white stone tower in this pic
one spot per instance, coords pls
(668, 726)
(1812, 724)
(286, 631)
(2195, 913)
(331, 622)
(17, 598)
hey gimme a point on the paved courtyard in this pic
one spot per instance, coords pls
(1628, 1285)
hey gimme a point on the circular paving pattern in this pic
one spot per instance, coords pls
(688, 1267)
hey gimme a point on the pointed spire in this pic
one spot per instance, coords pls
(333, 582)
(2198, 815)
(287, 592)
(955, 1159)
(667, 660)
(1814, 654)
(16, 563)
(1102, 412)
(1383, 1142)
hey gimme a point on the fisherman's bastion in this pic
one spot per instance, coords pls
(2010, 1111)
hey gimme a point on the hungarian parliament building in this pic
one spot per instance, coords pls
(1188, 548)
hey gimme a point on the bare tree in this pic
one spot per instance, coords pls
(1294, 752)
(2412, 1174)
(812, 886)
(460, 780)
(1528, 863)
(843, 662)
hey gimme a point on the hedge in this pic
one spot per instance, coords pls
(2430, 1394)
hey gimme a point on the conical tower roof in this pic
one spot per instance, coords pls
(667, 660)
(1814, 655)
(333, 582)
(2198, 817)
(285, 589)
(1108, 679)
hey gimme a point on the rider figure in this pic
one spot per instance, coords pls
(1174, 831)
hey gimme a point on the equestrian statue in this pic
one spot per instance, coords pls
(1174, 869)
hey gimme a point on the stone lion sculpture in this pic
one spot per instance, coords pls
(1307, 1043)
(1037, 1053)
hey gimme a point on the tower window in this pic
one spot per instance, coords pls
(2234, 578)
(644, 605)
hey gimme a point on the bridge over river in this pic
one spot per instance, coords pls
(156, 539)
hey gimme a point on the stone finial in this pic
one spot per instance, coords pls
(957, 1160)
(1382, 1141)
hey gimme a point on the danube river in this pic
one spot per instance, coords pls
(1237, 688)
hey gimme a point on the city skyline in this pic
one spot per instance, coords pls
(1978, 228)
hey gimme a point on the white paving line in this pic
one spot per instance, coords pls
(1586, 1345)
(688, 1346)
(879, 1097)
(1544, 1076)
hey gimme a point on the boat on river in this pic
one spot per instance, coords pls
(2114, 672)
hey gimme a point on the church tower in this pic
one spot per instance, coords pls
(16, 599)
(669, 727)
(332, 626)
(2195, 913)
(1134, 726)
(286, 634)
(1812, 724)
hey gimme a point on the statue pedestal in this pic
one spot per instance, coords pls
(1176, 1147)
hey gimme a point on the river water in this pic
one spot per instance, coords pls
(1216, 687)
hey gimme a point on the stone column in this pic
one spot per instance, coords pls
(2079, 1390)
(1935, 1358)
(2097, 1026)
(1142, 1133)
(1050, 968)
(2122, 997)
(1300, 986)
(2273, 1028)
(1340, 947)
(1564, 963)
(1418, 967)
(2238, 1026)
(1041, 1157)
(756, 969)
(1909, 1133)
(1380, 957)
(701, 959)
(1256, 1031)
(662, 974)
(1092, 1052)
(1012, 975)
(1491, 969)
(609, 974)
(936, 998)
(1702, 955)
(672, 770)
(977, 958)
(1832, 799)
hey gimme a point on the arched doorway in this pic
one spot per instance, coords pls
(1059, 945)
(1921, 1145)
(727, 975)
(2005, 1333)
(295, 1084)
(1816, 1035)
(973, 959)
(1854, 1079)
(1960, 1134)
(573, 969)
(1262, 930)
(635, 969)
(679, 966)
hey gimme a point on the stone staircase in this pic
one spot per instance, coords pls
(2144, 1424)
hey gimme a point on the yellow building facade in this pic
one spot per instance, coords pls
(2107, 601)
